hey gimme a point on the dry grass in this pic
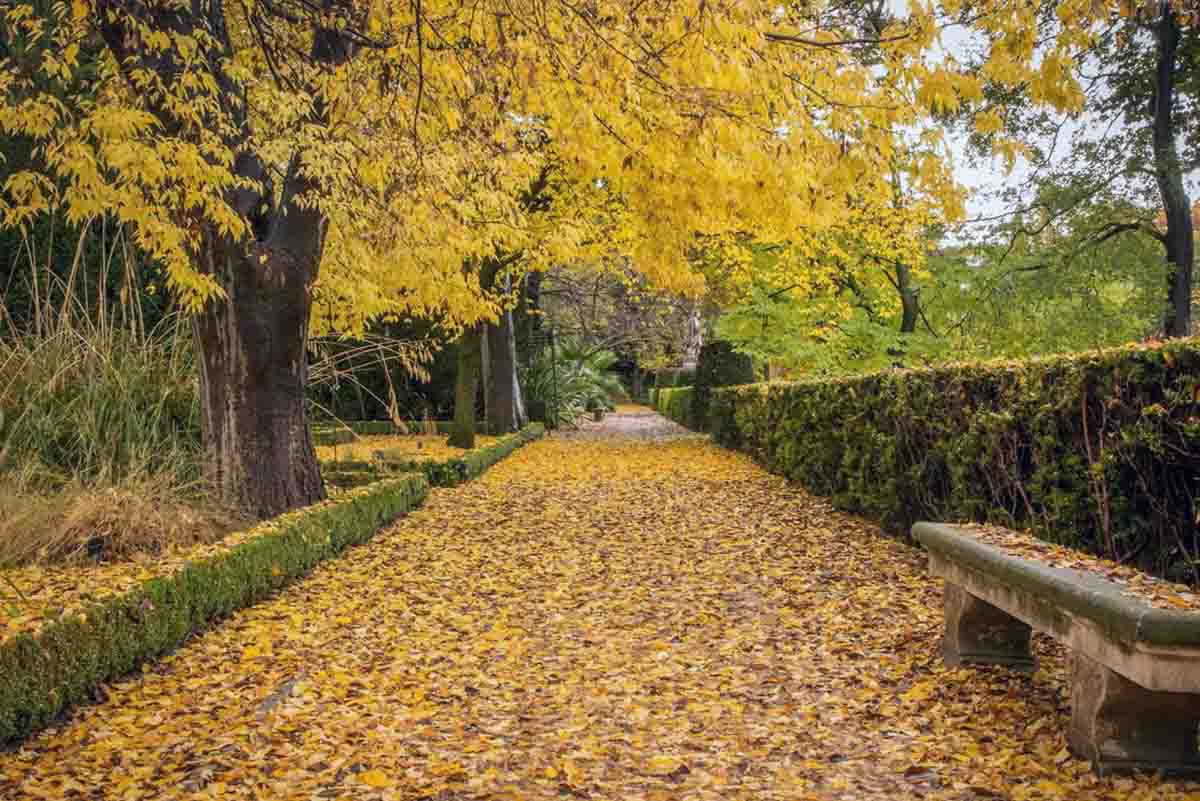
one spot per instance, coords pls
(76, 522)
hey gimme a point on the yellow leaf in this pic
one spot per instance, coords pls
(375, 778)
(663, 764)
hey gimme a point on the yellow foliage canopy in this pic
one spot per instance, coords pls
(419, 148)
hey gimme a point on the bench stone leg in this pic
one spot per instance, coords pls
(1121, 726)
(978, 633)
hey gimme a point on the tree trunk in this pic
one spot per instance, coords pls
(466, 384)
(252, 345)
(531, 302)
(1177, 321)
(485, 375)
(909, 301)
(505, 406)
(252, 349)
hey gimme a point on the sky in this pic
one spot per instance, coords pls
(985, 178)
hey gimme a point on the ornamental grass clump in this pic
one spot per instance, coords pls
(100, 443)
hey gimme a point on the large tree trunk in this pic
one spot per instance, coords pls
(253, 352)
(252, 345)
(505, 406)
(1177, 321)
(485, 375)
(466, 385)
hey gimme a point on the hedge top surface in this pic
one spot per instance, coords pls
(1127, 618)
(1153, 353)
(48, 593)
(411, 446)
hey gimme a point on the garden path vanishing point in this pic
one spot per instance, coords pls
(611, 615)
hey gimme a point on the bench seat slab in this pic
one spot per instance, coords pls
(978, 633)
(1121, 726)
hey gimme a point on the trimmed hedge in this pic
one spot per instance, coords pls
(43, 674)
(676, 404)
(674, 377)
(451, 472)
(719, 365)
(1098, 451)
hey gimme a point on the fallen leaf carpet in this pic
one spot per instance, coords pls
(595, 618)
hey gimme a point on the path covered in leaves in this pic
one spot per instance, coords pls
(596, 618)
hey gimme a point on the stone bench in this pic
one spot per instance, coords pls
(1135, 668)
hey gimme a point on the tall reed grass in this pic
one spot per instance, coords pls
(99, 425)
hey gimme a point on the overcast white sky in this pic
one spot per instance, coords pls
(987, 177)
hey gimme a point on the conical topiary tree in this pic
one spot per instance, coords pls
(719, 366)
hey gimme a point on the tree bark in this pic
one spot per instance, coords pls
(466, 385)
(253, 371)
(252, 345)
(909, 301)
(531, 304)
(505, 406)
(485, 364)
(1177, 321)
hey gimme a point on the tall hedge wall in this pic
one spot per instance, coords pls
(676, 404)
(674, 377)
(1098, 451)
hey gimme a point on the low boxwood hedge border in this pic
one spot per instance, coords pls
(451, 472)
(44, 674)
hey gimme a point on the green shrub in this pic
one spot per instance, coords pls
(676, 404)
(685, 378)
(719, 366)
(1099, 451)
(43, 674)
(92, 404)
(563, 383)
(451, 472)
(671, 377)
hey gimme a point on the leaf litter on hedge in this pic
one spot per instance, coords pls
(591, 619)
(33, 596)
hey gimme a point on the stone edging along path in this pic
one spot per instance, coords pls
(51, 663)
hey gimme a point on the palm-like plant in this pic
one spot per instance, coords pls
(570, 380)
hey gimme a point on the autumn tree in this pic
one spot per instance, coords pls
(268, 152)
(1108, 119)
